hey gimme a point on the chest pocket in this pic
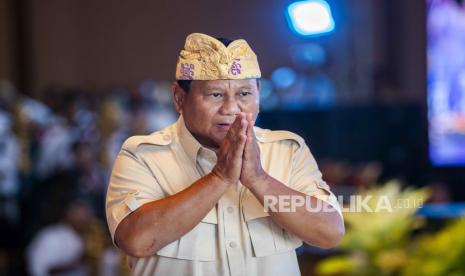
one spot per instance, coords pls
(199, 244)
(267, 237)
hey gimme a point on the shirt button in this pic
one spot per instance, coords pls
(166, 137)
(232, 244)
(230, 209)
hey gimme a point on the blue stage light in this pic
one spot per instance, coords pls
(310, 18)
(283, 77)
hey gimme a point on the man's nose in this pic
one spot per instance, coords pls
(230, 107)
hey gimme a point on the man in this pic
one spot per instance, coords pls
(189, 200)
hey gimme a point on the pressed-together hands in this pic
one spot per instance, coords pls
(145, 231)
(239, 154)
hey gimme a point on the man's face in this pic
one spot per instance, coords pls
(209, 108)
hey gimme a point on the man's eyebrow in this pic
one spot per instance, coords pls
(246, 86)
(221, 87)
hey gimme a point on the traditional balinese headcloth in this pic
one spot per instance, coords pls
(206, 58)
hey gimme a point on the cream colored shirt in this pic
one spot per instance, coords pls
(237, 237)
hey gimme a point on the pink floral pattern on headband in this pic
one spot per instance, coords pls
(187, 71)
(236, 67)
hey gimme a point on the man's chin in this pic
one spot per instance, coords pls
(213, 140)
(218, 139)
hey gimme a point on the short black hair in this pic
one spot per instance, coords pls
(186, 84)
(226, 41)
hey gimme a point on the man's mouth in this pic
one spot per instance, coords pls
(224, 126)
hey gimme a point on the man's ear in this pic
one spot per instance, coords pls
(179, 96)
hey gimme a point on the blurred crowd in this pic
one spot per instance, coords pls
(56, 155)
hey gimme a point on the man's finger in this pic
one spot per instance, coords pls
(239, 151)
(250, 132)
(248, 143)
(242, 131)
(236, 125)
(238, 140)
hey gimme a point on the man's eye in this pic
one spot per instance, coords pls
(215, 95)
(245, 93)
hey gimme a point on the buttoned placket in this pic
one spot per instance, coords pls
(228, 208)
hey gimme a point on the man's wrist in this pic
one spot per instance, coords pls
(219, 178)
(259, 183)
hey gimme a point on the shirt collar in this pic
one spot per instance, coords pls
(190, 145)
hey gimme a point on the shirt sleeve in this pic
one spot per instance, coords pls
(307, 178)
(131, 185)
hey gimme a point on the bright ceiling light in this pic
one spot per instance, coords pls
(312, 17)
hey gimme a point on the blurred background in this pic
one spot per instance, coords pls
(376, 87)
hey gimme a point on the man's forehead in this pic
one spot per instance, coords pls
(225, 83)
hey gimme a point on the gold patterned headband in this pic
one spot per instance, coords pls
(206, 58)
